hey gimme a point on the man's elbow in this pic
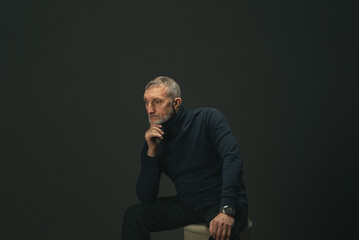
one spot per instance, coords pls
(146, 196)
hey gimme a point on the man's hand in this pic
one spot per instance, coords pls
(153, 137)
(221, 226)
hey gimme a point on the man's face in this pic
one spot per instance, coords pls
(158, 104)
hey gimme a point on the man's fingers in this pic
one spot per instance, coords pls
(157, 135)
(159, 130)
(154, 132)
(213, 229)
(224, 233)
(229, 232)
(155, 128)
(219, 234)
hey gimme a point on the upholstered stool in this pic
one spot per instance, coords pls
(201, 232)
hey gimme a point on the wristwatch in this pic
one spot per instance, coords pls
(228, 210)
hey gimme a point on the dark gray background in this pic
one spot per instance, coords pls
(284, 73)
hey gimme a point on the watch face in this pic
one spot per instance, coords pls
(228, 210)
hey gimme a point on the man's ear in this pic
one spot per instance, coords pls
(177, 103)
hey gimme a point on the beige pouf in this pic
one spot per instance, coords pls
(201, 232)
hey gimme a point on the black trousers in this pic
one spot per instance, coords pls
(170, 212)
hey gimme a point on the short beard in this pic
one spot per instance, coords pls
(162, 119)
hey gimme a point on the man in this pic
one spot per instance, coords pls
(196, 149)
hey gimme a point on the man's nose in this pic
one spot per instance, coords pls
(150, 109)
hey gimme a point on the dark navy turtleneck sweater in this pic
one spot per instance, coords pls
(200, 155)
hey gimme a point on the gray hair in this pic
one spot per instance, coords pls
(173, 88)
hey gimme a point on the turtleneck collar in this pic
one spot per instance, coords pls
(173, 126)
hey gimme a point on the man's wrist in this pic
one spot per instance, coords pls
(151, 152)
(230, 211)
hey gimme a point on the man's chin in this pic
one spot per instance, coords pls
(155, 121)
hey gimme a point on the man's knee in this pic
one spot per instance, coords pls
(135, 213)
(135, 222)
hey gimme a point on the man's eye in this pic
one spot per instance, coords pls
(158, 102)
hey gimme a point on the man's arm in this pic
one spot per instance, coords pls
(148, 182)
(228, 150)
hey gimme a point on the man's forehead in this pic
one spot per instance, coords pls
(152, 92)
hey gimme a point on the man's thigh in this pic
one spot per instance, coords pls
(164, 213)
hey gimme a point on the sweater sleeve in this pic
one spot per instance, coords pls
(228, 150)
(148, 181)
